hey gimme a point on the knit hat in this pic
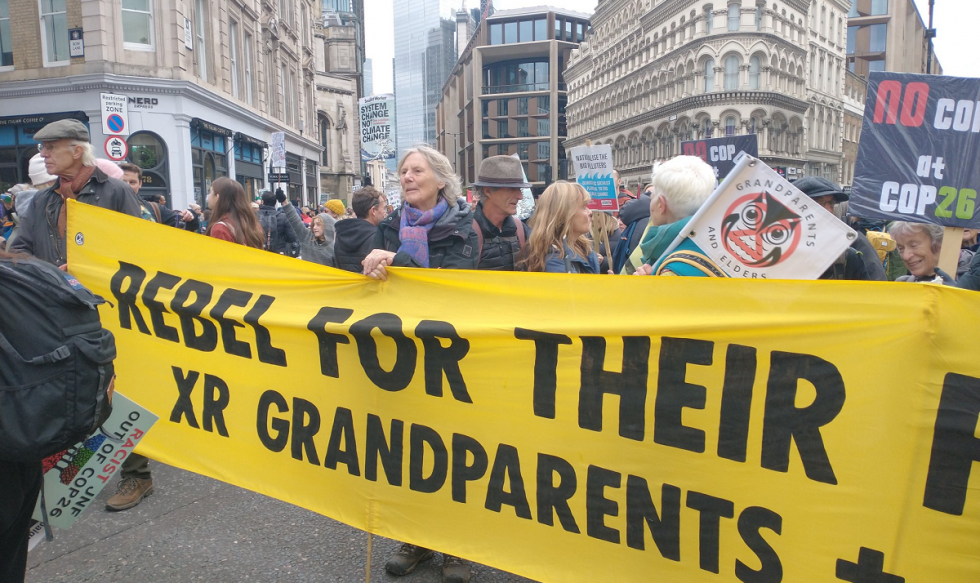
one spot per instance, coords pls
(37, 171)
(336, 205)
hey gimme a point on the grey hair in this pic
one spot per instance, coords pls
(88, 152)
(903, 228)
(441, 167)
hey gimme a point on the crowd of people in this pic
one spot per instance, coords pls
(435, 227)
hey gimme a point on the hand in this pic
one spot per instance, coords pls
(376, 263)
(644, 270)
(186, 216)
(280, 196)
(194, 208)
(63, 267)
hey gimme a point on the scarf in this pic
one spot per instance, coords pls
(413, 230)
(657, 239)
(70, 190)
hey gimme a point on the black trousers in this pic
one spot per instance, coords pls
(19, 486)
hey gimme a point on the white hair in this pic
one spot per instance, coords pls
(442, 169)
(907, 229)
(88, 152)
(685, 182)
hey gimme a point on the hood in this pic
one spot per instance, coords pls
(351, 234)
(329, 226)
(635, 209)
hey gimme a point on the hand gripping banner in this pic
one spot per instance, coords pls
(707, 430)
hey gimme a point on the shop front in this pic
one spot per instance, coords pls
(248, 164)
(17, 145)
(209, 156)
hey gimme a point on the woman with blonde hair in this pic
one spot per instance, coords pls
(232, 214)
(559, 229)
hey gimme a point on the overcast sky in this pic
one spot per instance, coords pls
(955, 21)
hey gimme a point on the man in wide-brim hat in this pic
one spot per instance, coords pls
(502, 234)
(68, 155)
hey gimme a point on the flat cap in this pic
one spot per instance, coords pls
(63, 129)
(816, 186)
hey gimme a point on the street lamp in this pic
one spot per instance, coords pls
(930, 34)
(455, 148)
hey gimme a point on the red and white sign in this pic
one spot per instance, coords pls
(116, 148)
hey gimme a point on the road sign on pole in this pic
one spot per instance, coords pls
(116, 148)
(115, 114)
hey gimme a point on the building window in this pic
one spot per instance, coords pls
(292, 104)
(709, 19)
(730, 126)
(209, 160)
(522, 148)
(502, 107)
(324, 142)
(876, 66)
(270, 83)
(305, 25)
(522, 128)
(510, 32)
(541, 29)
(202, 48)
(544, 104)
(851, 38)
(879, 7)
(758, 17)
(6, 40)
(709, 75)
(233, 49)
(247, 58)
(522, 105)
(54, 32)
(544, 150)
(137, 23)
(502, 129)
(734, 16)
(579, 32)
(527, 34)
(879, 37)
(754, 67)
(568, 31)
(496, 34)
(731, 73)
(557, 29)
(544, 127)
(287, 107)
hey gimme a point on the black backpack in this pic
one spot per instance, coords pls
(55, 361)
(270, 230)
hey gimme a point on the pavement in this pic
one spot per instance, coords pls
(194, 528)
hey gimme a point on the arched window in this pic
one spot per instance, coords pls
(734, 16)
(709, 19)
(325, 142)
(709, 75)
(754, 68)
(730, 125)
(731, 73)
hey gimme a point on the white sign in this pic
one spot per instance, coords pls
(76, 44)
(757, 225)
(279, 149)
(594, 171)
(188, 35)
(377, 118)
(115, 115)
(116, 148)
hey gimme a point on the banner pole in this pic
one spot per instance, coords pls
(950, 254)
(367, 568)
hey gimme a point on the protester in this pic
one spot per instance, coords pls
(355, 237)
(559, 229)
(69, 156)
(680, 186)
(315, 243)
(335, 208)
(623, 195)
(919, 245)
(860, 261)
(501, 234)
(233, 218)
(189, 219)
(433, 227)
(279, 236)
(605, 234)
(634, 216)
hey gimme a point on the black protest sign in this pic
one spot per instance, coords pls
(919, 152)
(720, 153)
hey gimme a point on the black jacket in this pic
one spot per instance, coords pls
(500, 246)
(849, 266)
(636, 211)
(354, 241)
(873, 265)
(284, 240)
(38, 234)
(453, 244)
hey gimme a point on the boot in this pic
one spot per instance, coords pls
(454, 569)
(406, 559)
(131, 492)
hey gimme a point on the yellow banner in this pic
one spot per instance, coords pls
(563, 427)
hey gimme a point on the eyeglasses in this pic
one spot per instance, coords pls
(49, 146)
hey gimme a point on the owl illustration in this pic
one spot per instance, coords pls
(760, 231)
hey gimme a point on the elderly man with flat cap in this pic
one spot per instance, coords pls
(69, 156)
(501, 233)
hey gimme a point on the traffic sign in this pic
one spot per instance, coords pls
(116, 148)
(115, 114)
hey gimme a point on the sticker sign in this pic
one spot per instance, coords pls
(919, 151)
(115, 114)
(594, 171)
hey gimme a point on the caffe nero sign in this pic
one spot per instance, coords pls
(919, 156)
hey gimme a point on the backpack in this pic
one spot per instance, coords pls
(55, 361)
(270, 227)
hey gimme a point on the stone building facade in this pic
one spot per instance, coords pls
(207, 83)
(654, 73)
(855, 91)
(338, 74)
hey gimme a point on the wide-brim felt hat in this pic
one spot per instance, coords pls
(501, 172)
(817, 186)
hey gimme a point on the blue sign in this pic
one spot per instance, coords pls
(115, 123)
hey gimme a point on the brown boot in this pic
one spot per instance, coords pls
(454, 569)
(406, 559)
(131, 492)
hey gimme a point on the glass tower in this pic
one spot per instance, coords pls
(425, 53)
